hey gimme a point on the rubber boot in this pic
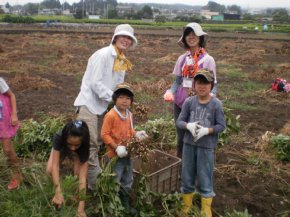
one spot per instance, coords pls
(125, 200)
(206, 206)
(187, 203)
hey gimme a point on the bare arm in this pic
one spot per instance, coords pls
(58, 198)
(14, 118)
(82, 187)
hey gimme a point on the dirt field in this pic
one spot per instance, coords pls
(44, 69)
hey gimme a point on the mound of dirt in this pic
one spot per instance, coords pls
(23, 82)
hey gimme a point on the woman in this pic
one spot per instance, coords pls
(106, 69)
(193, 40)
(73, 141)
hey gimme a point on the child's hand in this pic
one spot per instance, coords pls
(58, 200)
(192, 127)
(121, 151)
(201, 131)
(14, 120)
(141, 135)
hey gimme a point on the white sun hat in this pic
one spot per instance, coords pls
(196, 29)
(125, 29)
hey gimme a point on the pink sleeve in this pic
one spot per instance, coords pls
(177, 67)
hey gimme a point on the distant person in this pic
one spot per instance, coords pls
(117, 130)
(73, 141)
(106, 68)
(9, 125)
(193, 40)
(202, 118)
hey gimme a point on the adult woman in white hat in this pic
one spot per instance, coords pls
(106, 68)
(193, 40)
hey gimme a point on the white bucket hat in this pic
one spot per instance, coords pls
(125, 29)
(197, 31)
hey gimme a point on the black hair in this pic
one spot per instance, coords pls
(125, 92)
(187, 31)
(80, 129)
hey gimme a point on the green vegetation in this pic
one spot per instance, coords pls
(17, 19)
(34, 139)
(239, 106)
(238, 214)
(281, 143)
(227, 26)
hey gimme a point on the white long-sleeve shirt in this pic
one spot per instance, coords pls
(99, 81)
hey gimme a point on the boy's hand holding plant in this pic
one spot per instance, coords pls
(141, 135)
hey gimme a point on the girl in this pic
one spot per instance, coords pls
(8, 128)
(193, 40)
(73, 141)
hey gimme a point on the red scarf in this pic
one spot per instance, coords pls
(189, 70)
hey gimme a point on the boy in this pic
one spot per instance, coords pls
(116, 131)
(203, 117)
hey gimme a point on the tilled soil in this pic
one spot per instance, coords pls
(44, 69)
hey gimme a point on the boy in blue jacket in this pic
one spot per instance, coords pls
(202, 117)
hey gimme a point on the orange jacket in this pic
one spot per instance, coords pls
(115, 130)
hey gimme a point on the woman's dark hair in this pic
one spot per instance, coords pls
(187, 31)
(125, 92)
(80, 129)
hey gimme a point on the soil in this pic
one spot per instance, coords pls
(44, 70)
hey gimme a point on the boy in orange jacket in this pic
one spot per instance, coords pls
(116, 131)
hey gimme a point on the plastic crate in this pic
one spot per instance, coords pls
(162, 171)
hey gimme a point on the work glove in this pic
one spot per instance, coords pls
(200, 132)
(121, 151)
(168, 96)
(141, 135)
(192, 127)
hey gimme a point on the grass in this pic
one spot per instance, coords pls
(239, 106)
(232, 71)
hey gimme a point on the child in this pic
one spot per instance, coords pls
(202, 115)
(116, 131)
(72, 141)
(8, 128)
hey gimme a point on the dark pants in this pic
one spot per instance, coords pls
(179, 132)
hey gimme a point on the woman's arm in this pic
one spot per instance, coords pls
(82, 188)
(14, 118)
(58, 198)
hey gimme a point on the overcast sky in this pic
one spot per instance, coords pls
(241, 3)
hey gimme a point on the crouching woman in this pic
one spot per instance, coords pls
(72, 142)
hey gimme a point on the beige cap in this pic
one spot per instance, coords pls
(197, 31)
(125, 29)
(124, 86)
(207, 74)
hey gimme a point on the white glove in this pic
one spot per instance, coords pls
(200, 132)
(192, 127)
(121, 151)
(141, 135)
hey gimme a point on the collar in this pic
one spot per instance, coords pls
(119, 113)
